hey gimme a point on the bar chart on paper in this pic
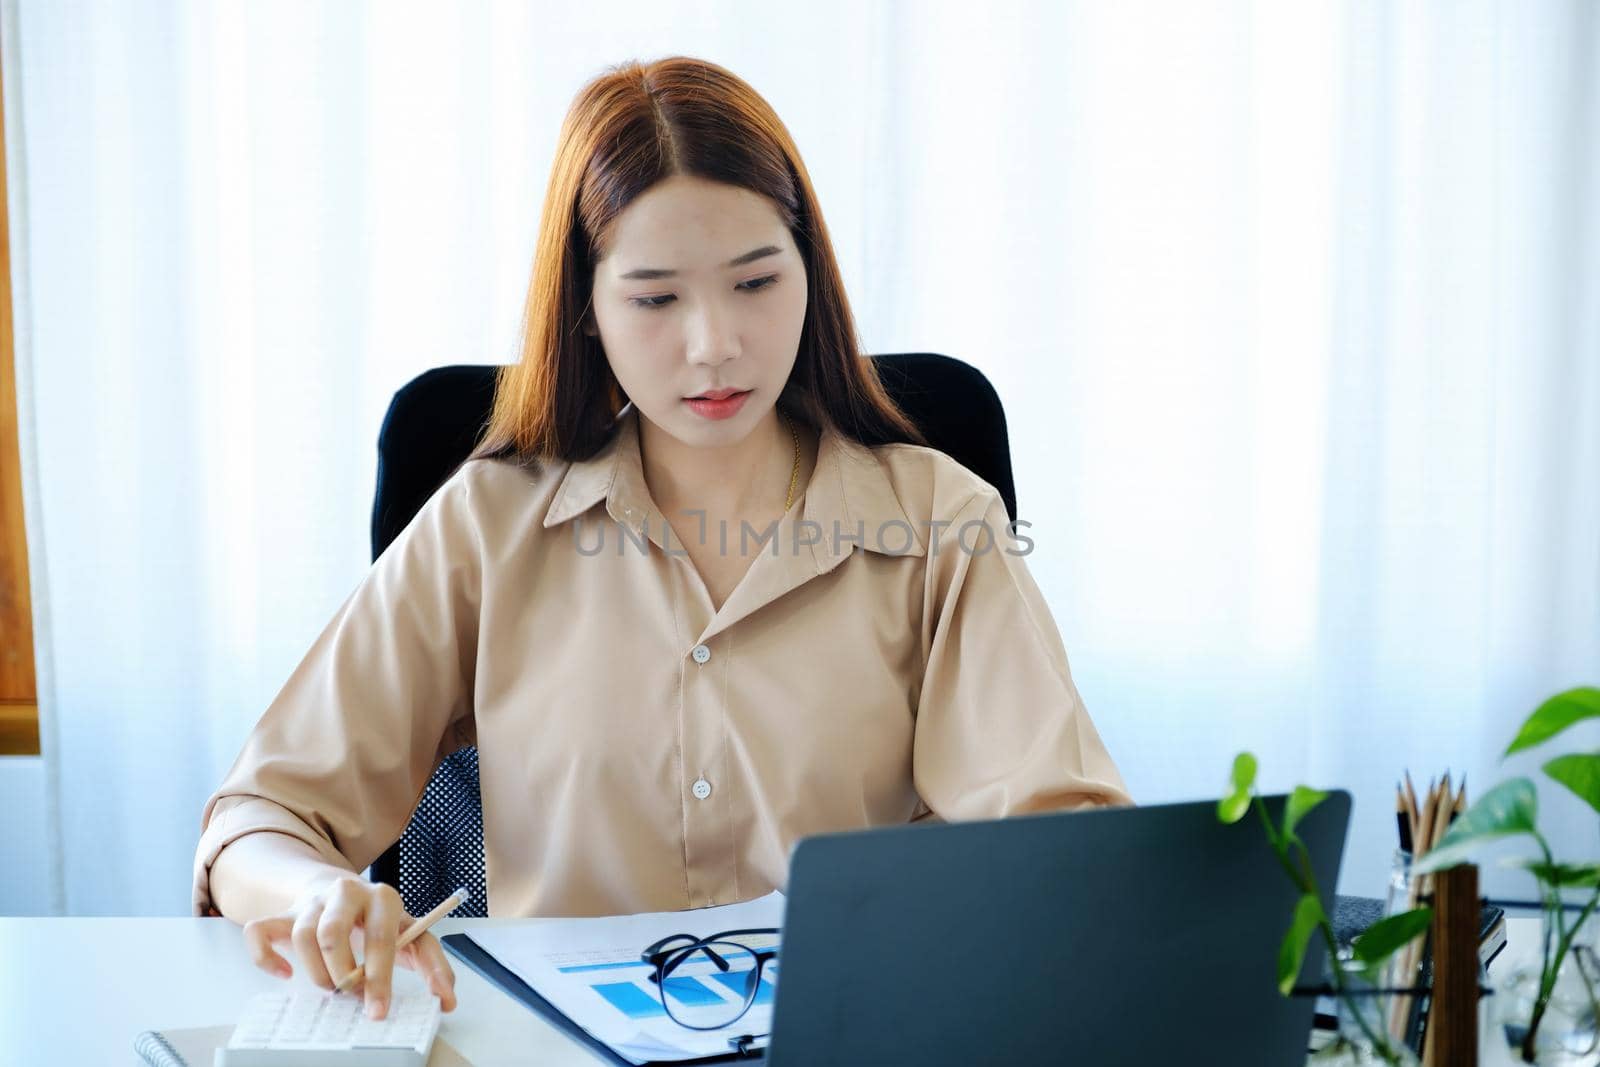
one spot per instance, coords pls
(698, 985)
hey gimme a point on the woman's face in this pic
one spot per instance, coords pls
(701, 290)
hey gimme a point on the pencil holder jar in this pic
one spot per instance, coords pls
(1363, 1012)
(1402, 891)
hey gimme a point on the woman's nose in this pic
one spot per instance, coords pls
(713, 337)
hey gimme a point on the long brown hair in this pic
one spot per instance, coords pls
(626, 130)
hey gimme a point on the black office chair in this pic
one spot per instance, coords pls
(434, 422)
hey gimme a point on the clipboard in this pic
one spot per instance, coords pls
(481, 960)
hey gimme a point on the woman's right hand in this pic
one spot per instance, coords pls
(320, 925)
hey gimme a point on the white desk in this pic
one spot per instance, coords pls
(139, 974)
(77, 990)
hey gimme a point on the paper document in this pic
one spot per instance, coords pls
(590, 971)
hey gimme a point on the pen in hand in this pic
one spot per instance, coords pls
(411, 933)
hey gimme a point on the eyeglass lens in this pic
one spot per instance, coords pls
(700, 994)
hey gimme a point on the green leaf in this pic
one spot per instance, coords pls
(1509, 808)
(1231, 808)
(1563, 875)
(1244, 770)
(1307, 914)
(1579, 773)
(1299, 804)
(1555, 715)
(1386, 936)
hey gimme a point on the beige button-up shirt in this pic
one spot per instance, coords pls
(640, 751)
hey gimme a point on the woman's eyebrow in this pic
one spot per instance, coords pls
(736, 261)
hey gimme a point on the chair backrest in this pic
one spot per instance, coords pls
(432, 425)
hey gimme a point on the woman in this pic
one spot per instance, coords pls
(689, 598)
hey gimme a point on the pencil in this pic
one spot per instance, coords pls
(1414, 810)
(1447, 803)
(1431, 827)
(1400, 1006)
(1402, 818)
(411, 933)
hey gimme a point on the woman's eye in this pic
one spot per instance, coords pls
(754, 285)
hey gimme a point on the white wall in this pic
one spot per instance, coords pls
(24, 857)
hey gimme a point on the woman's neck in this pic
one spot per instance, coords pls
(749, 477)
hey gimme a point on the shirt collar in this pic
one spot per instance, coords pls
(849, 494)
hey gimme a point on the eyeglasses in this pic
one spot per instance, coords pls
(706, 983)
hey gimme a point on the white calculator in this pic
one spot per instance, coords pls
(312, 1028)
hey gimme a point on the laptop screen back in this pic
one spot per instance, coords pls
(1110, 936)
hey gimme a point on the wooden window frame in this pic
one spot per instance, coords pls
(19, 694)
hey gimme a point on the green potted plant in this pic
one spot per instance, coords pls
(1549, 1014)
(1363, 1033)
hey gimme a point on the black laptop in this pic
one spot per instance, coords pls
(1121, 936)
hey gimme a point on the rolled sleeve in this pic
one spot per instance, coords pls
(1000, 729)
(228, 818)
(342, 754)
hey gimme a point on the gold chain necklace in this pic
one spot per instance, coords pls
(794, 472)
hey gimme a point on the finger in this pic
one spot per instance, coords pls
(340, 915)
(427, 957)
(304, 936)
(259, 935)
(382, 926)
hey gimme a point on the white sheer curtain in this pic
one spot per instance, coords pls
(1292, 308)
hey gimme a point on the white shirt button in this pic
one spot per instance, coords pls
(701, 653)
(701, 788)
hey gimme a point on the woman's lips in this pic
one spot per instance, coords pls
(717, 409)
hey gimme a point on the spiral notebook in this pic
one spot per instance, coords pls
(182, 1048)
(196, 1047)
